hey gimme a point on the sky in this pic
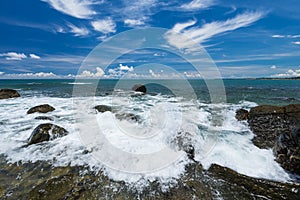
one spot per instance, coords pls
(51, 38)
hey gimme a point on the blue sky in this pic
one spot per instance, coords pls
(51, 38)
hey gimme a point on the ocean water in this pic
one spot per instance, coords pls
(163, 115)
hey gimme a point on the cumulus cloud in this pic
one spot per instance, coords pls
(202, 34)
(76, 8)
(125, 68)
(198, 4)
(13, 56)
(34, 56)
(273, 67)
(133, 22)
(289, 73)
(297, 42)
(88, 74)
(78, 31)
(1, 73)
(104, 26)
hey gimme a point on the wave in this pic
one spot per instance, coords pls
(161, 119)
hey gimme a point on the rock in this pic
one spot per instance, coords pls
(103, 108)
(232, 185)
(287, 151)
(128, 116)
(46, 132)
(44, 108)
(139, 88)
(44, 118)
(8, 93)
(274, 127)
(241, 114)
(184, 141)
(268, 122)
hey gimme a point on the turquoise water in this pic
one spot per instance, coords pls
(276, 92)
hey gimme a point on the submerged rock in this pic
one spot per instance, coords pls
(103, 108)
(241, 114)
(128, 116)
(44, 118)
(44, 108)
(140, 88)
(46, 132)
(8, 93)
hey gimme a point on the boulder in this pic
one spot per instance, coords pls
(139, 88)
(8, 93)
(46, 132)
(241, 114)
(44, 108)
(103, 108)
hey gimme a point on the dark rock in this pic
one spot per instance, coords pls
(274, 127)
(8, 93)
(183, 141)
(44, 118)
(103, 108)
(287, 151)
(241, 114)
(44, 108)
(268, 122)
(46, 132)
(232, 185)
(128, 116)
(139, 88)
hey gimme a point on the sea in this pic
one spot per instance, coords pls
(169, 108)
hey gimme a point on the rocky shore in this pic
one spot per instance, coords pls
(276, 127)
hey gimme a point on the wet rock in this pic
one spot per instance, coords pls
(44, 108)
(103, 108)
(128, 116)
(232, 185)
(139, 88)
(287, 151)
(8, 93)
(184, 141)
(46, 132)
(241, 114)
(274, 127)
(268, 122)
(54, 188)
(44, 118)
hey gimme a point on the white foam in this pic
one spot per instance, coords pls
(233, 148)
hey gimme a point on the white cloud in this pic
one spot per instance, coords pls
(278, 36)
(75, 8)
(77, 31)
(134, 22)
(88, 74)
(273, 67)
(104, 26)
(125, 68)
(297, 42)
(13, 56)
(34, 56)
(285, 36)
(289, 73)
(200, 35)
(32, 75)
(198, 4)
(1, 73)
